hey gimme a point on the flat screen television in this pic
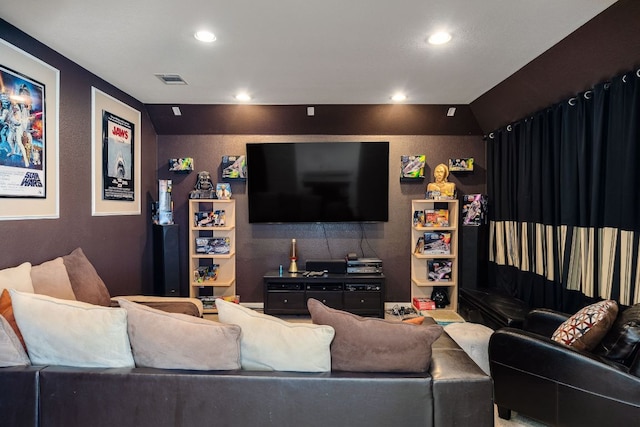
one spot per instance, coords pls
(318, 182)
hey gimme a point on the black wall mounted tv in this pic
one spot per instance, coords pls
(290, 182)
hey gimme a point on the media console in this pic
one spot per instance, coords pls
(361, 294)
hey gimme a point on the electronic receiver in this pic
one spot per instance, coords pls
(364, 266)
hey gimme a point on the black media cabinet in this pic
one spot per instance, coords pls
(361, 294)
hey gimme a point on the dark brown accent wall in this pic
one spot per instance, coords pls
(263, 247)
(118, 246)
(604, 47)
(388, 119)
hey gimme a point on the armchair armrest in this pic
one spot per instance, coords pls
(539, 356)
(543, 321)
(184, 305)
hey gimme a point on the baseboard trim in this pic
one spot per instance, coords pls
(387, 305)
(253, 305)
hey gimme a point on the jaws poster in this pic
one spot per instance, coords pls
(117, 157)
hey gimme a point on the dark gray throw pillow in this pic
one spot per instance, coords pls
(364, 344)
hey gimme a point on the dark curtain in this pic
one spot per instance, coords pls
(565, 208)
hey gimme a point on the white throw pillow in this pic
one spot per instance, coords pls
(17, 278)
(72, 333)
(179, 341)
(271, 344)
(11, 351)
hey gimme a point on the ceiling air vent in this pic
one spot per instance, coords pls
(171, 79)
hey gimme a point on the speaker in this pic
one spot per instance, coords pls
(337, 266)
(166, 260)
(474, 257)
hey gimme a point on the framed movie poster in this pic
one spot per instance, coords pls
(115, 156)
(22, 136)
(29, 122)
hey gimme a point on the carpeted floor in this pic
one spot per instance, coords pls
(474, 340)
(516, 420)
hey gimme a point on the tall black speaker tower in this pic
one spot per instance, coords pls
(166, 260)
(474, 257)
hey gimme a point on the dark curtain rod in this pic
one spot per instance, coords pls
(571, 101)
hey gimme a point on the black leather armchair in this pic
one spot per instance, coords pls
(556, 384)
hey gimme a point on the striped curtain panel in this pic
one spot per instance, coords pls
(564, 187)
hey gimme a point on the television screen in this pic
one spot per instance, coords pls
(318, 182)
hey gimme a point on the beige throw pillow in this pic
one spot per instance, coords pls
(72, 333)
(178, 341)
(51, 278)
(11, 351)
(17, 278)
(365, 344)
(271, 344)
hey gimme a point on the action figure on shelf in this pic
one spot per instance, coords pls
(441, 188)
(204, 188)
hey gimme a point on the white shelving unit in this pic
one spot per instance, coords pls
(421, 284)
(225, 282)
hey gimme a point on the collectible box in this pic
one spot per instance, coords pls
(184, 164)
(234, 168)
(208, 301)
(418, 218)
(436, 242)
(461, 164)
(436, 195)
(422, 303)
(436, 218)
(204, 274)
(412, 167)
(216, 218)
(442, 218)
(474, 209)
(223, 191)
(213, 245)
(439, 270)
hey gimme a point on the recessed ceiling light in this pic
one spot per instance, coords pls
(205, 36)
(399, 97)
(440, 37)
(243, 97)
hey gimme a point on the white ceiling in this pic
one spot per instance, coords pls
(302, 51)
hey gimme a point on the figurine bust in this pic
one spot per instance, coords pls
(441, 188)
(204, 187)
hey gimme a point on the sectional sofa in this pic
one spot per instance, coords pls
(455, 392)
(424, 382)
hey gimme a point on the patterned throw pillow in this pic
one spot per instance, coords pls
(587, 327)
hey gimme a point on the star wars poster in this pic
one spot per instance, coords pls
(117, 157)
(22, 136)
